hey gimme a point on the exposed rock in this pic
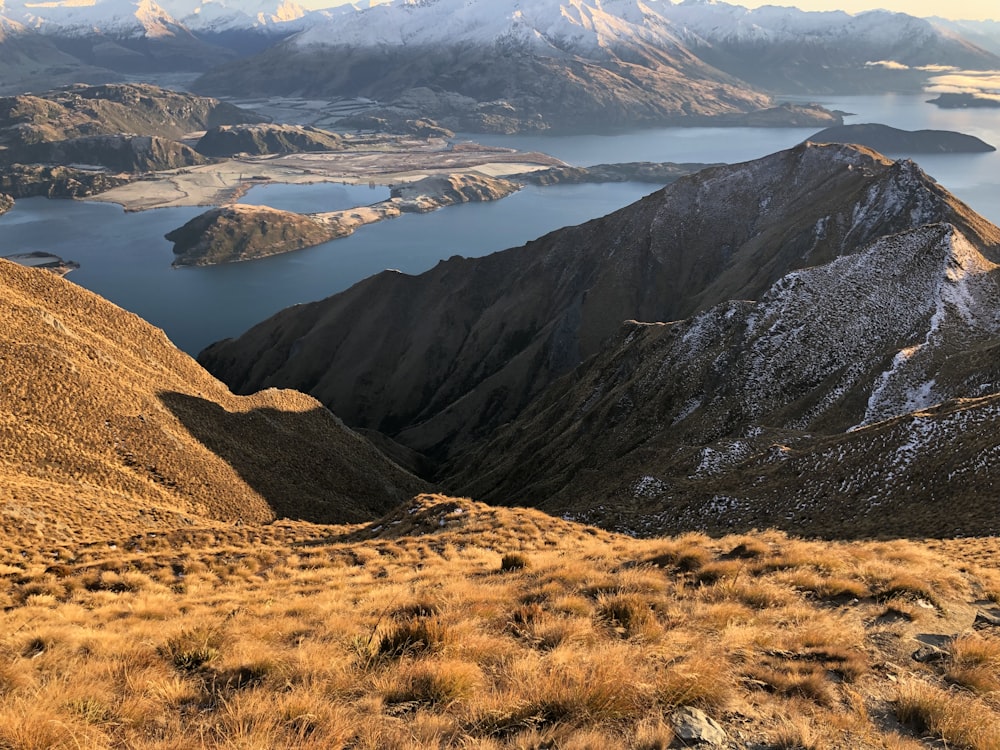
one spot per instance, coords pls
(32, 180)
(238, 232)
(659, 173)
(261, 139)
(928, 654)
(890, 140)
(964, 101)
(119, 153)
(694, 725)
(988, 619)
(440, 371)
(6, 203)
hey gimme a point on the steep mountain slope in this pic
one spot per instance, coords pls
(667, 416)
(440, 360)
(789, 50)
(105, 425)
(581, 64)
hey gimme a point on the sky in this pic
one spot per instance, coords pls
(958, 9)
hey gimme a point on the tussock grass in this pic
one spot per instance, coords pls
(289, 635)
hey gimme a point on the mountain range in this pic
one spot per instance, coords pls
(812, 294)
(493, 66)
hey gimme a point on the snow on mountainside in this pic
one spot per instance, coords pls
(118, 18)
(218, 16)
(674, 412)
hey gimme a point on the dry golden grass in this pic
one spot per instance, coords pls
(411, 632)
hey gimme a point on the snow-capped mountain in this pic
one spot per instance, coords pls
(501, 65)
(790, 50)
(126, 19)
(221, 16)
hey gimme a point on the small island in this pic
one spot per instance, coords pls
(889, 140)
(966, 101)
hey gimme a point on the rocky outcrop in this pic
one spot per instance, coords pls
(103, 419)
(33, 180)
(890, 140)
(965, 101)
(6, 203)
(78, 111)
(439, 361)
(118, 153)
(262, 139)
(237, 232)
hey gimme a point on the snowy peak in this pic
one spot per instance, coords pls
(119, 18)
(218, 16)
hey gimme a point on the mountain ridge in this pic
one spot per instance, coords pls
(449, 369)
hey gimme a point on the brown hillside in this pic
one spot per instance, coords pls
(105, 426)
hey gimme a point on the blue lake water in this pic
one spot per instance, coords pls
(124, 257)
(316, 197)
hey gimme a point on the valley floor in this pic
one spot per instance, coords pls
(453, 624)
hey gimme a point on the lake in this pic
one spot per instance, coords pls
(124, 257)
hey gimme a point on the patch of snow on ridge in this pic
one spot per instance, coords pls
(965, 304)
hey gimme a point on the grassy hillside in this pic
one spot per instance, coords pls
(454, 625)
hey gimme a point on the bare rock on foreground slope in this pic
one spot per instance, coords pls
(439, 361)
(106, 427)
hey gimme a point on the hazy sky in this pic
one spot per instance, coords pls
(961, 9)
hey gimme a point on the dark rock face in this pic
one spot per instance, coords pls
(119, 153)
(895, 141)
(439, 361)
(237, 232)
(258, 140)
(33, 180)
(964, 101)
